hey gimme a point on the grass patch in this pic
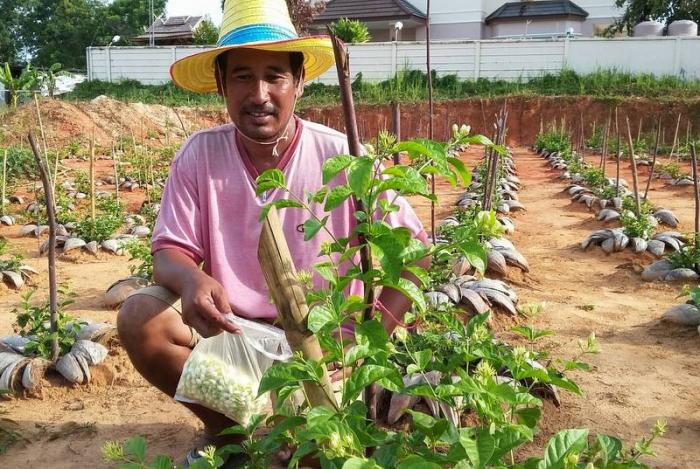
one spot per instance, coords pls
(411, 86)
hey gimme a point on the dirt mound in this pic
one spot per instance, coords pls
(108, 119)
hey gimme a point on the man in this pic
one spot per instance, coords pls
(210, 210)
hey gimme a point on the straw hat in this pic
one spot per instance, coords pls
(253, 24)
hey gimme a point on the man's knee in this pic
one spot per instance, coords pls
(135, 314)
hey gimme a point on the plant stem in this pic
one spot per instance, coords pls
(51, 214)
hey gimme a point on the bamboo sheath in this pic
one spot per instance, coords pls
(288, 295)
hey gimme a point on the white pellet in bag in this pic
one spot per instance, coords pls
(223, 372)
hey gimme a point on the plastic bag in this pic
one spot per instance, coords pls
(223, 372)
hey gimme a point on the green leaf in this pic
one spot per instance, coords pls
(479, 450)
(279, 204)
(312, 227)
(270, 179)
(336, 197)
(410, 290)
(561, 445)
(366, 375)
(479, 140)
(332, 166)
(528, 416)
(416, 462)
(359, 463)
(320, 317)
(461, 170)
(388, 250)
(372, 334)
(360, 175)
(475, 254)
(610, 446)
(161, 462)
(431, 427)
(423, 358)
(136, 447)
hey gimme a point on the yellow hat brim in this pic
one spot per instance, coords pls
(197, 72)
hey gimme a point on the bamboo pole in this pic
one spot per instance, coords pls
(93, 210)
(675, 136)
(182, 124)
(431, 130)
(635, 181)
(4, 182)
(604, 146)
(396, 125)
(617, 156)
(653, 158)
(694, 163)
(116, 173)
(43, 137)
(343, 68)
(287, 293)
(51, 214)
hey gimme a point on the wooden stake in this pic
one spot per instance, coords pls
(287, 293)
(675, 137)
(694, 163)
(182, 124)
(343, 68)
(617, 156)
(635, 181)
(93, 211)
(396, 125)
(43, 136)
(653, 158)
(4, 183)
(431, 131)
(51, 214)
(604, 147)
(116, 173)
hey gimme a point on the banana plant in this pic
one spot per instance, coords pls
(48, 78)
(24, 83)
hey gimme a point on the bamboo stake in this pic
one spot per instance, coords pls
(51, 214)
(675, 136)
(396, 125)
(343, 67)
(653, 158)
(116, 173)
(287, 293)
(604, 146)
(4, 183)
(694, 163)
(93, 211)
(182, 124)
(617, 156)
(635, 181)
(431, 132)
(43, 136)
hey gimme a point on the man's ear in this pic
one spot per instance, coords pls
(300, 85)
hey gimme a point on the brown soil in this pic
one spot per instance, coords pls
(642, 373)
(109, 119)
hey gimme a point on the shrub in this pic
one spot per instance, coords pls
(100, 229)
(351, 31)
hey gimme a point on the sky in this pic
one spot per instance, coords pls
(195, 8)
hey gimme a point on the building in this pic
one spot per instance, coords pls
(475, 19)
(171, 31)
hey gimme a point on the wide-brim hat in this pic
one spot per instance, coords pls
(253, 24)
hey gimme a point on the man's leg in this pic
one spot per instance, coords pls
(158, 344)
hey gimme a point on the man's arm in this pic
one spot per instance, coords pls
(204, 300)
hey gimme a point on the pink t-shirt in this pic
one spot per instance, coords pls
(210, 211)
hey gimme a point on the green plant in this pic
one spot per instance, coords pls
(101, 228)
(25, 83)
(48, 77)
(637, 226)
(132, 455)
(688, 257)
(351, 31)
(33, 322)
(111, 206)
(671, 169)
(140, 250)
(82, 181)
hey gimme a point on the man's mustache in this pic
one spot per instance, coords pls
(264, 109)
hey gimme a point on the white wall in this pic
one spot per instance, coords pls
(2, 94)
(503, 59)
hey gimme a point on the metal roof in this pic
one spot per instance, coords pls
(173, 26)
(369, 10)
(537, 9)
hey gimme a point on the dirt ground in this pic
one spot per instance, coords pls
(642, 373)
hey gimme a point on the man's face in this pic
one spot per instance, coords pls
(260, 91)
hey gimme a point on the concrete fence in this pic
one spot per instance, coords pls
(494, 59)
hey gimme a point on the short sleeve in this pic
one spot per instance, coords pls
(179, 221)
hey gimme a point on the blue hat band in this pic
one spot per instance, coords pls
(257, 33)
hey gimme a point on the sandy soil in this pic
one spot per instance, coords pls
(641, 375)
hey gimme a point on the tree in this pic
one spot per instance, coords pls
(130, 18)
(22, 84)
(206, 33)
(302, 12)
(665, 11)
(351, 31)
(9, 46)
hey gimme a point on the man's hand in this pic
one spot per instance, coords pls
(205, 306)
(204, 300)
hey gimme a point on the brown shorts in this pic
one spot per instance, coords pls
(172, 300)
